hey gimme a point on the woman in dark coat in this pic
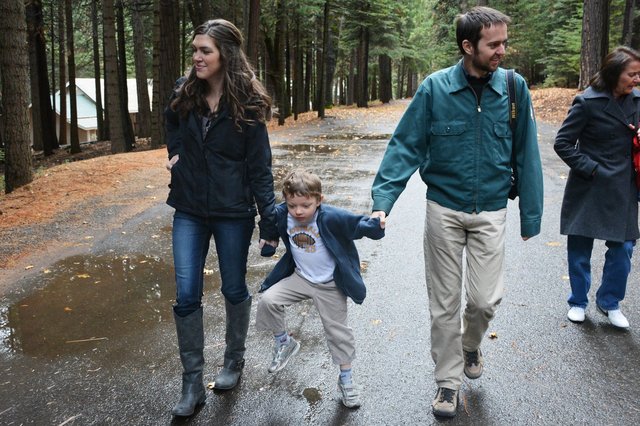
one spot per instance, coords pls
(600, 198)
(220, 163)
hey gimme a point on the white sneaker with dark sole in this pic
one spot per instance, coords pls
(616, 318)
(282, 354)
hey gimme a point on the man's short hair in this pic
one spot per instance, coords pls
(302, 183)
(470, 24)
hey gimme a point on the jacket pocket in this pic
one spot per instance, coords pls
(446, 141)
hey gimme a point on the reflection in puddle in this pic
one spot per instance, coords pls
(86, 300)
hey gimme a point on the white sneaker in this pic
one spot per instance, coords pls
(576, 314)
(616, 318)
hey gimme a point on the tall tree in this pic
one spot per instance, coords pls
(322, 77)
(123, 98)
(627, 26)
(199, 11)
(74, 137)
(43, 118)
(595, 38)
(166, 51)
(14, 78)
(252, 31)
(62, 74)
(116, 125)
(97, 76)
(384, 65)
(138, 7)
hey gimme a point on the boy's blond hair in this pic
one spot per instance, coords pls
(302, 183)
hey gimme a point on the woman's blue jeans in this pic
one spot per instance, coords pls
(191, 237)
(617, 266)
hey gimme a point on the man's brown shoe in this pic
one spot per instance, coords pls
(473, 363)
(446, 403)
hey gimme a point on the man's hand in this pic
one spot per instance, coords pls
(169, 164)
(383, 217)
(525, 238)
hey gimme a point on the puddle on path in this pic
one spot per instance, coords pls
(84, 301)
(312, 395)
(88, 299)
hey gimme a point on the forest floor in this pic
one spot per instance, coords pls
(63, 181)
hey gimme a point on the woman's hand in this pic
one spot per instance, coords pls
(169, 164)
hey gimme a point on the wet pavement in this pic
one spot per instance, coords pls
(90, 339)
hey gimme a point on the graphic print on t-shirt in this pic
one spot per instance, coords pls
(304, 237)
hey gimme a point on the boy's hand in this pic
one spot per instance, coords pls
(267, 248)
(383, 217)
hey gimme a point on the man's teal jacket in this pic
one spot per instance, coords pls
(463, 149)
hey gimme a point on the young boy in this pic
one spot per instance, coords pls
(321, 263)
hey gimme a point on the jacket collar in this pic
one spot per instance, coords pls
(459, 82)
(625, 113)
(195, 123)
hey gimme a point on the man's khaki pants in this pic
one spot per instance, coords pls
(446, 235)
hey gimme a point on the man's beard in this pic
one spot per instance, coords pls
(486, 67)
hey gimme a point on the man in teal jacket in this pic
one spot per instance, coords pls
(457, 132)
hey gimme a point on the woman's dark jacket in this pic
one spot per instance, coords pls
(224, 174)
(600, 198)
(338, 228)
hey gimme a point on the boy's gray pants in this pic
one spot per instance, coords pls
(330, 302)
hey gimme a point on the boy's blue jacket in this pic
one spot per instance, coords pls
(338, 228)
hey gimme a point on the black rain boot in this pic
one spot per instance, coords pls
(191, 343)
(237, 327)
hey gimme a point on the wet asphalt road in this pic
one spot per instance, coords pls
(91, 339)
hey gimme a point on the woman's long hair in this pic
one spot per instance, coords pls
(606, 79)
(245, 96)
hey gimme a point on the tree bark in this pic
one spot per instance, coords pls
(144, 106)
(323, 60)
(167, 48)
(595, 38)
(14, 79)
(129, 137)
(74, 138)
(384, 63)
(102, 134)
(44, 124)
(362, 90)
(627, 25)
(252, 31)
(116, 126)
(62, 59)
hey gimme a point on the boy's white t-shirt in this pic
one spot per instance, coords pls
(313, 260)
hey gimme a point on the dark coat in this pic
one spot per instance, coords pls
(338, 229)
(600, 198)
(224, 174)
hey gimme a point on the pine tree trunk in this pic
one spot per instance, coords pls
(116, 126)
(75, 140)
(102, 133)
(144, 107)
(627, 25)
(129, 138)
(384, 63)
(253, 31)
(595, 38)
(62, 60)
(14, 75)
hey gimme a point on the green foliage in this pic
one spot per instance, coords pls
(562, 61)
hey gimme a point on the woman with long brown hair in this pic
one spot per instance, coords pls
(220, 163)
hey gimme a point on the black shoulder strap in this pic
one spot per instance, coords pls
(513, 109)
(513, 115)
